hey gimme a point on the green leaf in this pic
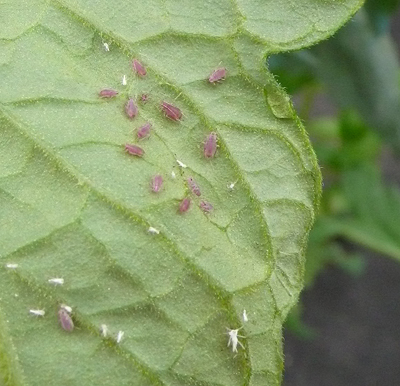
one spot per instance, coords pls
(344, 143)
(371, 215)
(366, 77)
(75, 206)
(383, 6)
(374, 210)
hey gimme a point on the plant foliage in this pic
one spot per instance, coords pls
(75, 206)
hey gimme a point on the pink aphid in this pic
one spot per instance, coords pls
(171, 112)
(144, 131)
(131, 109)
(138, 67)
(134, 150)
(193, 186)
(108, 93)
(206, 206)
(156, 183)
(184, 205)
(65, 320)
(217, 75)
(144, 98)
(210, 145)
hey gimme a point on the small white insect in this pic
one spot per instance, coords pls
(181, 164)
(245, 318)
(56, 280)
(106, 47)
(124, 80)
(233, 339)
(173, 175)
(66, 308)
(11, 266)
(104, 330)
(37, 312)
(153, 231)
(119, 336)
(231, 186)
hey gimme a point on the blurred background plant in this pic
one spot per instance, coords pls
(347, 92)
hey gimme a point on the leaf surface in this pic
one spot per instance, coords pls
(75, 206)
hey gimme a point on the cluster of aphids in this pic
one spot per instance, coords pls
(209, 150)
(175, 114)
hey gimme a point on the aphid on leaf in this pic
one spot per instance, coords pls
(106, 47)
(245, 318)
(144, 131)
(231, 186)
(138, 67)
(193, 186)
(206, 206)
(108, 93)
(171, 111)
(134, 150)
(210, 145)
(119, 336)
(65, 319)
(181, 164)
(56, 280)
(233, 339)
(37, 312)
(184, 205)
(156, 183)
(144, 98)
(153, 231)
(104, 330)
(173, 175)
(217, 75)
(131, 109)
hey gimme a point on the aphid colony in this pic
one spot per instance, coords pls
(156, 185)
(173, 113)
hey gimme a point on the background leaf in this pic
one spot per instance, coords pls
(373, 211)
(74, 205)
(366, 76)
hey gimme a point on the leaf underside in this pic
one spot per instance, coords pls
(75, 206)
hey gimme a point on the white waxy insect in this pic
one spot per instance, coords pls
(37, 312)
(233, 339)
(231, 186)
(11, 266)
(245, 318)
(153, 231)
(56, 280)
(181, 164)
(66, 308)
(124, 82)
(104, 330)
(106, 47)
(173, 175)
(120, 336)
